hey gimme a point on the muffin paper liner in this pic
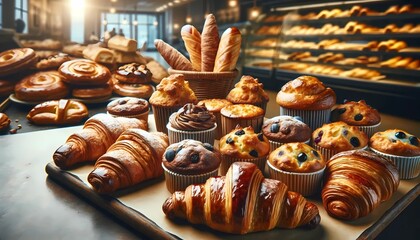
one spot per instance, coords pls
(327, 153)
(142, 116)
(227, 161)
(370, 130)
(218, 131)
(408, 167)
(313, 118)
(161, 115)
(205, 136)
(179, 182)
(306, 184)
(274, 145)
(228, 124)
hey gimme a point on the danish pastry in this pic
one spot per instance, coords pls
(58, 112)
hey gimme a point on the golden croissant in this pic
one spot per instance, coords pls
(136, 156)
(98, 134)
(357, 182)
(243, 201)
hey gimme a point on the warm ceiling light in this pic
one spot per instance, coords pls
(170, 4)
(177, 1)
(253, 13)
(233, 3)
(188, 19)
(112, 10)
(176, 26)
(114, 0)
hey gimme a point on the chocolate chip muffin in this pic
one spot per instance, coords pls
(189, 162)
(129, 107)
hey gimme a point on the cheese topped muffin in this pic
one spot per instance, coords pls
(173, 91)
(248, 90)
(356, 114)
(395, 142)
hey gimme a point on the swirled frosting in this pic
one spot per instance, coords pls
(192, 117)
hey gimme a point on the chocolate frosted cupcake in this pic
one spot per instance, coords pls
(214, 105)
(189, 162)
(192, 122)
(357, 114)
(308, 98)
(285, 129)
(249, 91)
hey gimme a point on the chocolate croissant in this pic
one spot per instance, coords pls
(357, 182)
(98, 134)
(243, 201)
(136, 156)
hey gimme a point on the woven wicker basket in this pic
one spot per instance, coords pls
(208, 85)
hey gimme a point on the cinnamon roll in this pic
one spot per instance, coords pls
(15, 60)
(84, 72)
(41, 86)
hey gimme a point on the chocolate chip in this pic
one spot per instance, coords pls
(240, 132)
(414, 140)
(261, 137)
(285, 130)
(170, 155)
(358, 117)
(195, 158)
(122, 101)
(274, 128)
(253, 153)
(400, 135)
(301, 157)
(345, 132)
(355, 142)
(315, 153)
(229, 140)
(208, 146)
(320, 133)
(393, 140)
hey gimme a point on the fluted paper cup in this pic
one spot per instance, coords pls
(370, 130)
(408, 167)
(228, 124)
(205, 136)
(227, 161)
(313, 118)
(328, 153)
(306, 184)
(161, 115)
(179, 182)
(274, 144)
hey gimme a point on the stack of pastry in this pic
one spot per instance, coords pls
(133, 80)
(125, 50)
(99, 54)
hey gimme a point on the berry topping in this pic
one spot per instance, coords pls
(179, 149)
(298, 118)
(274, 128)
(315, 153)
(170, 155)
(320, 133)
(208, 146)
(358, 117)
(400, 135)
(414, 140)
(345, 132)
(317, 140)
(229, 140)
(280, 153)
(261, 137)
(301, 157)
(240, 132)
(253, 153)
(194, 158)
(355, 142)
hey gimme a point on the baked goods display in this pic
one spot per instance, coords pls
(4, 122)
(135, 157)
(16, 60)
(129, 107)
(237, 203)
(357, 182)
(58, 112)
(189, 162)
(98, 134)
(42, 86)
(248, 91)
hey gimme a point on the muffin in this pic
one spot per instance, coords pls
(308, 98)
(357, 114)
(171, 94)
(243, 145)
(214, 105)
(401, 148)
(129, 107)
(337, 137)
(285, 129)
(248, 90)
(243, 115)
(189, 162)
(299, 166)
(192, 122)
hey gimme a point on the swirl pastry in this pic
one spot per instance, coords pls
(357, 181)
(84, 72)
(133, 73)
(95, 92)
(132, 90)
(61, 111)
(15, 60)
(41, 86)
(192, 118)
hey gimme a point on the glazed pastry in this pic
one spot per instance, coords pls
(243, 201)
(98, 134)
(58, 112)
(84, 72)
(133, 73)
(356, 182)
(4, 122)
(136, 156)
(16, 60)
(228, 51)
(209, 43)
(53, 62)
(92, 93)
(6, 87)
(132, 90)
(192, 40)
(41, 86)
(172, 56)
(122, 43)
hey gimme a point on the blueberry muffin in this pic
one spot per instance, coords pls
(243, 145)
(400, 147)
(189, 162)
(337, 137)
(129, 107)
(250, 91)
(299, 166)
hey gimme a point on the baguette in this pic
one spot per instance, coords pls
(228, 52)
(172, 56)
(192, 40)
(209, 43)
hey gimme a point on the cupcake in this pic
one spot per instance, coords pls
(308, 98)
(248, 90)
(357, 114)
(285, 129)
(401, 148)
(171, 94)
(214, 106)
(192, 122)
(129, 107)
(243, 145)
(189, 162)
(299, 166)
(243, 115)
(337, 137)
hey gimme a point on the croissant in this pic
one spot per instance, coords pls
(135, 157)
(357, 181)
(243, 201)
(98, 134)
